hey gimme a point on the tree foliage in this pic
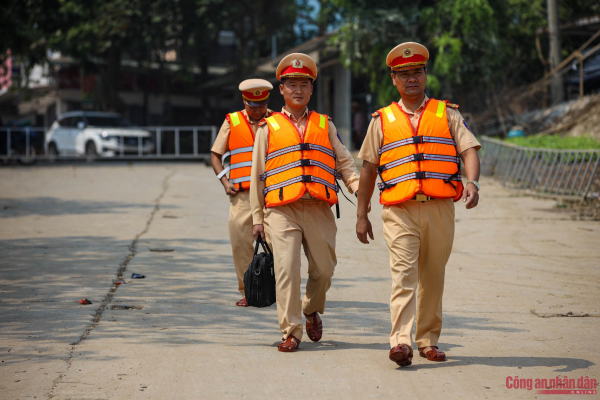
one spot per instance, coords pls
(476, 46)
(102, 33)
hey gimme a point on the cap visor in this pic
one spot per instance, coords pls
(256, 103)
(406, 68)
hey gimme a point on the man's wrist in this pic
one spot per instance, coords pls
(475, 183)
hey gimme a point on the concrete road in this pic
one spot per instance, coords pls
(522, 297)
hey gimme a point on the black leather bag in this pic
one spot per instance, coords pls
(259, 279)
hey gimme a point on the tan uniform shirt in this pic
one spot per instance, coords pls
(344, 163)
(463, 137)
(221, 145)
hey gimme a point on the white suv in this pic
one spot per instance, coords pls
(96, 134)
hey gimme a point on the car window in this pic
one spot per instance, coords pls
(66, 122)
(108, 122)
(77, 120)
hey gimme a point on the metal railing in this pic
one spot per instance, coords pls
(564, 173)
(166, 142)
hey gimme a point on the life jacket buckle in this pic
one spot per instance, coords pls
(306, 178)
(417, 139)
(419, 157)
(304, 146)
(305, 163)
(420, 175)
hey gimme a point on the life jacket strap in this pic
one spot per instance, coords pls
(301, 178)
(241, 150)
(240, 180)
(299, 147)
(448, 178)
(418, 157)
(301, 163)
(416, 140)
(235, 165)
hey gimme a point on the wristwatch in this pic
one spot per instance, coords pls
(476, 184)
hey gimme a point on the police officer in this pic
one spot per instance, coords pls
(297, 158)
(414, 146)
(236, 139)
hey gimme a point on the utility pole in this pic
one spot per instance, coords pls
(555, 57)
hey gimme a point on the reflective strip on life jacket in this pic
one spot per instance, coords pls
(301, 163)
(300, 147)
(241, 150)
(240, 180)
(416, 140)
(418, 157)
(418, 175)
(301, 178)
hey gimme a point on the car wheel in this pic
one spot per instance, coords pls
(52, 152)
(90, 151)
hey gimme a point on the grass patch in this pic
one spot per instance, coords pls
(556, 142)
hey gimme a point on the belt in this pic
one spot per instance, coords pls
(422, 198)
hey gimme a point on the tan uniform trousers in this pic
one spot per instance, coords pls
(310, 223)
(419, 237)
(240, 234)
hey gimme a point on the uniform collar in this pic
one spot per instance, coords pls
(418, 110)
(291, 117)
(268, 114)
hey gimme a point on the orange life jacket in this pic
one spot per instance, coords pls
(241, 144)
(422, 161)
(295, 164)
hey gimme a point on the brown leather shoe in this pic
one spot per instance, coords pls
(314, 330)
(242, 303)
(402, 355)
(433, 354)
(289, 345)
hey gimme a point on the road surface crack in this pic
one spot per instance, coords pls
(567, 314)
(111, 292)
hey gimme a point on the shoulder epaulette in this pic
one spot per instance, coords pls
(262, 122)
(451, 105)
(375, 115)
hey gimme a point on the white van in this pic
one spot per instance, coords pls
(87, 133)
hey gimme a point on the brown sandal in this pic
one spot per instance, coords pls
(242, 303)
(433, 354)
(402, 355)
(289, 345)
(314, 330)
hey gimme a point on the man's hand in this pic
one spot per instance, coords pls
(259, 230)
(470, 196)
(363, 227)
(470, 193)
(229, 187)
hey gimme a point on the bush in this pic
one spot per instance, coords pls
(556, 142)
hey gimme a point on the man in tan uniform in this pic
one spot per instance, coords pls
(418, 227)
(236, 138)
(306, 221)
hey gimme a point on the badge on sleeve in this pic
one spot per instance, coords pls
(467, 126)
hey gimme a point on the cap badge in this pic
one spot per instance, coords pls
(407, 53)
(257, 93)
(297, 63)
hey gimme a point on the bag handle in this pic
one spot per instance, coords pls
(264, 244)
